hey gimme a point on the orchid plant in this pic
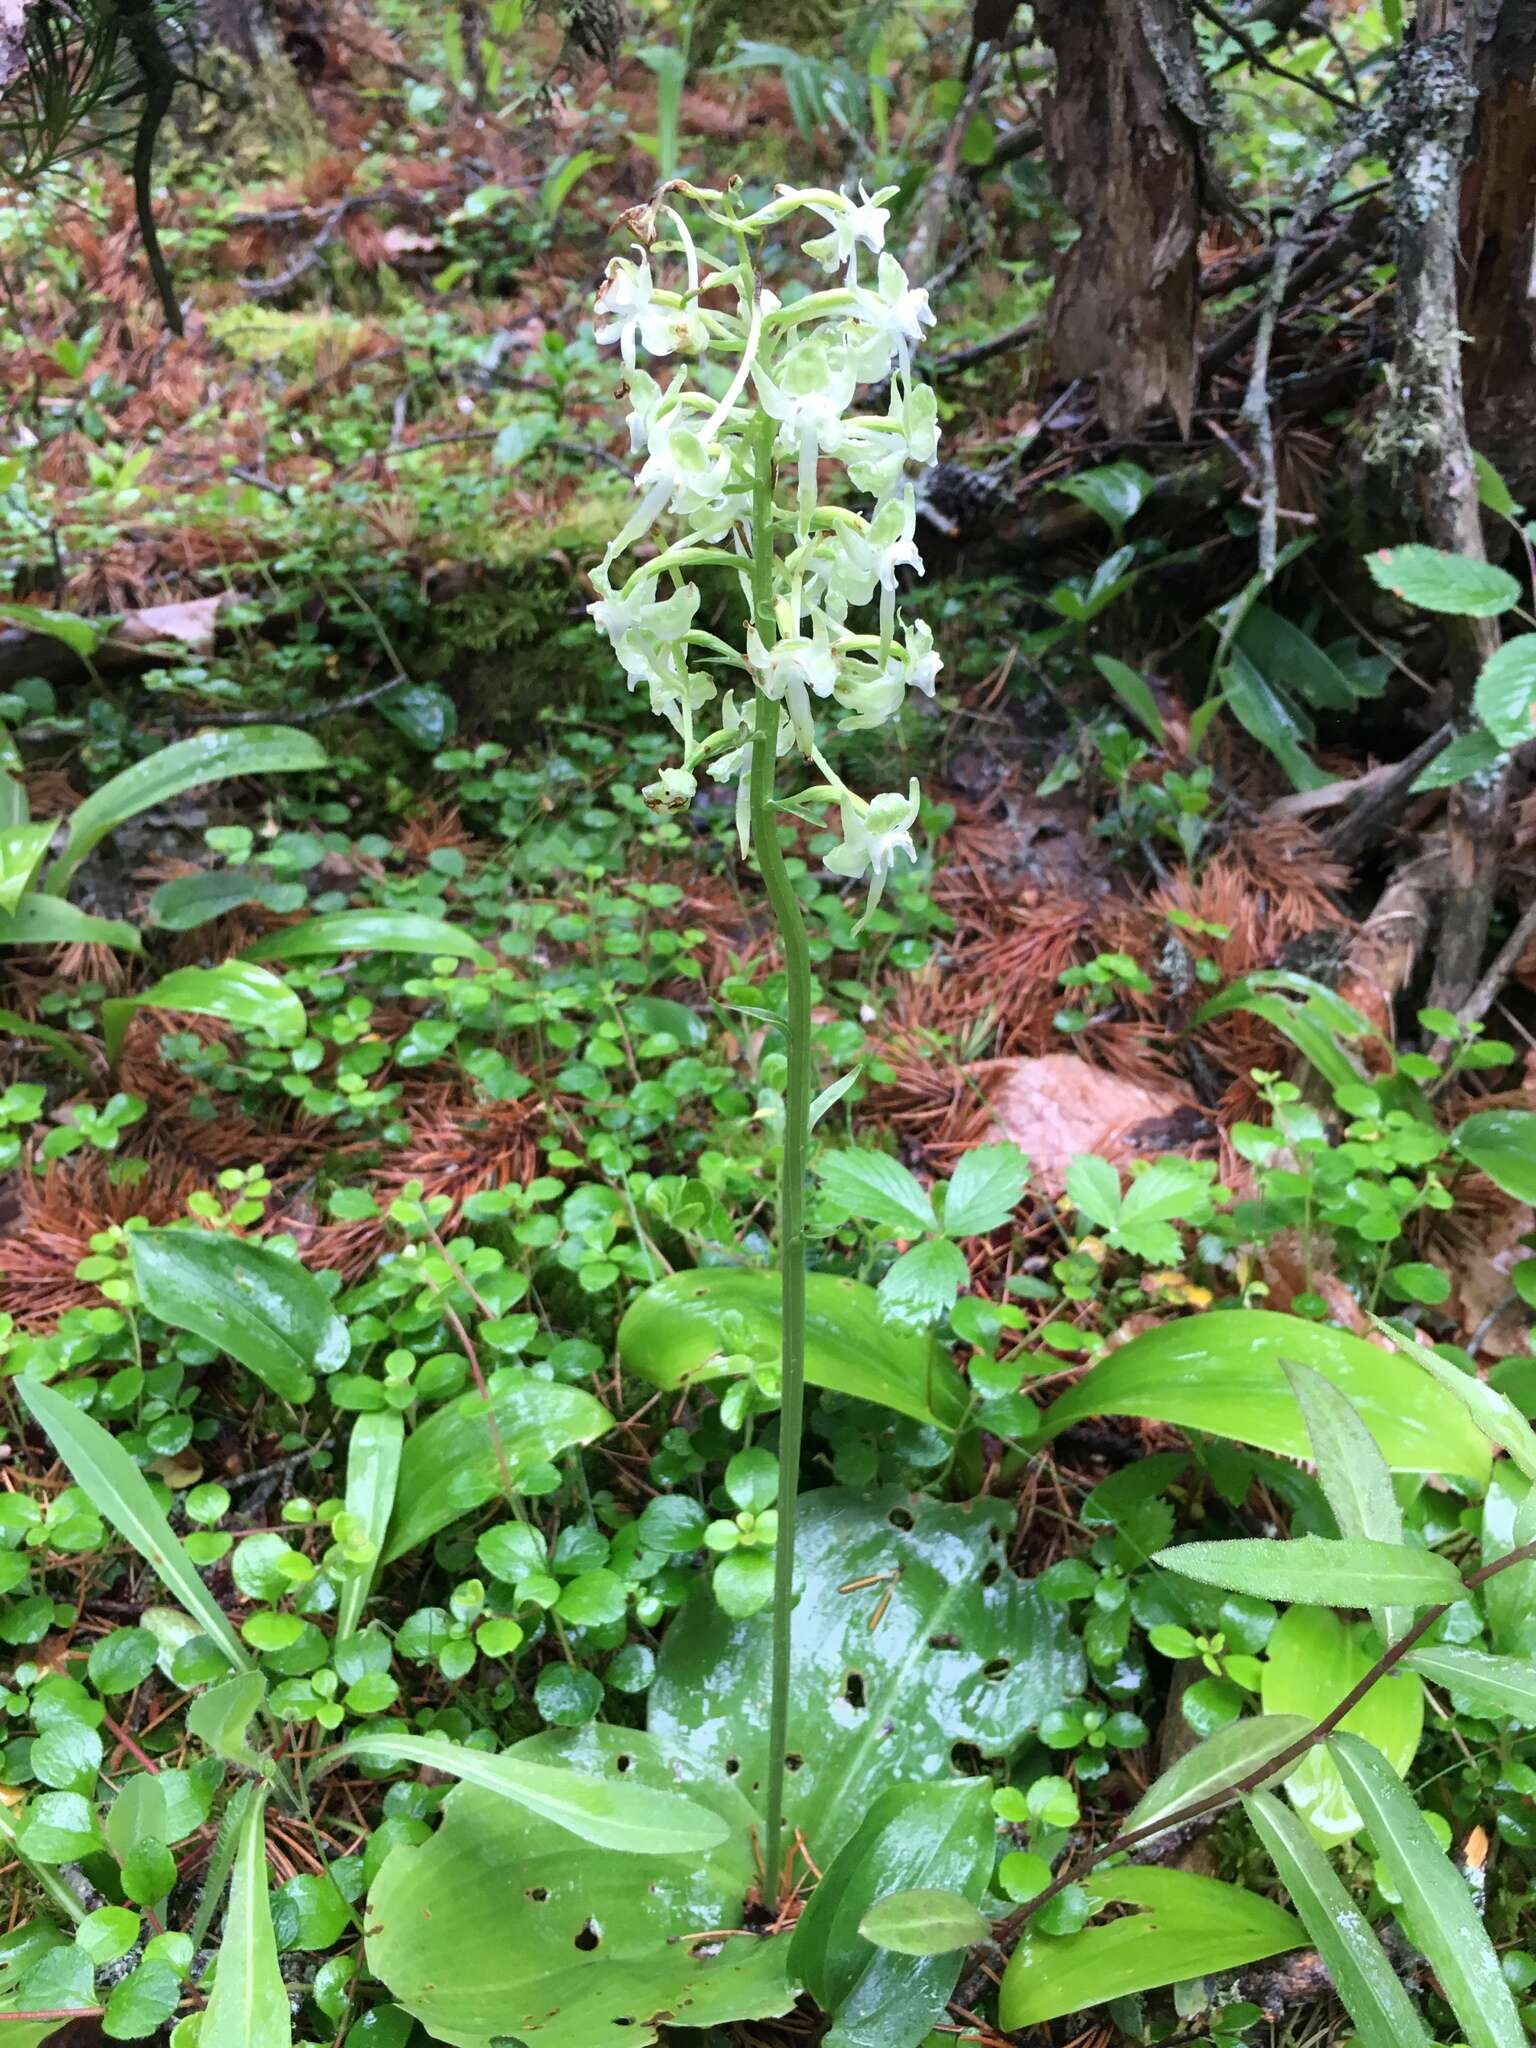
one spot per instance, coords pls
(762, 386)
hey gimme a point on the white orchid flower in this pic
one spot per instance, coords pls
(629, 307)
(814, 388)
(796, 668)
(891, 321)
(873, 834)
(855, 223)
(695, 450)
(672, 791)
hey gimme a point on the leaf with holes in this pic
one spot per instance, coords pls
(912, 1637)
(937, 1839)
(503, 1925)
(703, 1325)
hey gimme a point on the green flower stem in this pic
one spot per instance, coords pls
(797, 1130)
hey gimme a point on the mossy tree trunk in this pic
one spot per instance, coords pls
(259, 120)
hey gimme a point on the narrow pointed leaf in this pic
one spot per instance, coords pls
(373, 1471)
(14, 1025)
(249, 2006)
(1369, 1989)
(219, 1717)
(1500, 1687)
(1218, 1764)
(1352, 1473)
(1436, 1902)
(632, 1818)
(367, 931)
(120, 1494)
(1493, 1413)
(47, 921)
(1319, 1571)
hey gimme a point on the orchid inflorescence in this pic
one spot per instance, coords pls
(800, 362)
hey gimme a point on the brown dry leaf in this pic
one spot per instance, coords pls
(1057, 1107)
(191, 625)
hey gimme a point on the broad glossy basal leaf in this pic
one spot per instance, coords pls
(928, 1836)
(1182, 1926)
(449, 1466)
(1222, 1372)
(683, 1330)
(911, 1635)
(504, 1927)
(258, 1306)
(1312, 1660)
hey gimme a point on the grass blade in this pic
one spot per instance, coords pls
(120, 1494)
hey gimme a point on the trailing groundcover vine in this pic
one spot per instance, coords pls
(851, 1783)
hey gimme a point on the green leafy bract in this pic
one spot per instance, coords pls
(220, 1716)
(936, 1837)
(529, 1935)
(1353, 1475)
(253, 1303)
(935, 1642)
(1223, 1760)
(373, 1472)
(699, 1326)
(1223, 1371)
(449, 1466)
(1183, 1926)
